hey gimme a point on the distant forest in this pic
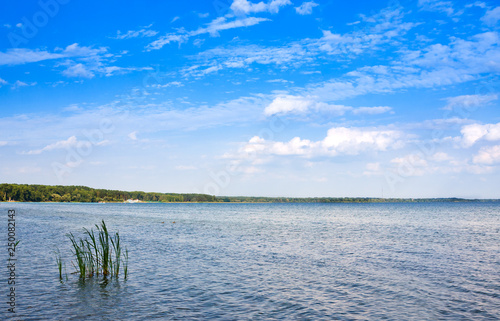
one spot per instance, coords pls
(58, 193)
(46, 193)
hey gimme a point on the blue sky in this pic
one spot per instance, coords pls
(271, 98)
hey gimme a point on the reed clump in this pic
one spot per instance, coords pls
(59, 262)
(98, 253)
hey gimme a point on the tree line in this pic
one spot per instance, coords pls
(59, 193)
(84, 194)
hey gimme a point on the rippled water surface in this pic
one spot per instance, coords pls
(423, 261)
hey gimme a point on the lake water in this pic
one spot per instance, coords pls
(421, 261)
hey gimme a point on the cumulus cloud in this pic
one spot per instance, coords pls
(488, 155)
(475, 132)
(306, 8)
(289, 104)
(339, 140)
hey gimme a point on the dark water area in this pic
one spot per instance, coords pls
(419, 261)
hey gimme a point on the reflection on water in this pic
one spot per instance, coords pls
(267, 261)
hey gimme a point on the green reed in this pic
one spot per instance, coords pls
(98, 253)
(59, 264)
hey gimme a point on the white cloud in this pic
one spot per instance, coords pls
(142, 33)
(3, 143)
(115, 70)
(78, 70)
(440, 157)
(459, 62)
(436, 65)
(306, 8)
(19, 84)
(169, 84)
(487, 155)
(414, 159)
(133, 135)
(212, 28)
(244, 56)
(63, 144)
(476, 132)
(491, 17)
(412, 165)
(299, 105)
(18, 56)
(385, 27)
(165, 40)
(289, 104)
(245, 7)
(79, 61)
(222, 23)
(371, 110)
(373, 167)
(355, 140)
(154, 118)
(284, 81)
(468, 101)
(339, 140)
(3, 82)
(73, 108)
(437, 5)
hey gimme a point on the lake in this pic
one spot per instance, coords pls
(402, 261)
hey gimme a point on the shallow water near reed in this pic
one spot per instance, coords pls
(420, 261)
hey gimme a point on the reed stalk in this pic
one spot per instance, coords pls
(125, 265)
(59, 264)
(99, 253)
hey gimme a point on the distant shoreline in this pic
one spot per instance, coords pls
(387, 201)
(82, 194)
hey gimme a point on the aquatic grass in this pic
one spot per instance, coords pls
(59, 264)
(125, 265)
(116, 247)
(98, 253)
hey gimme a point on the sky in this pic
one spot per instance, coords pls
(235, 97)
